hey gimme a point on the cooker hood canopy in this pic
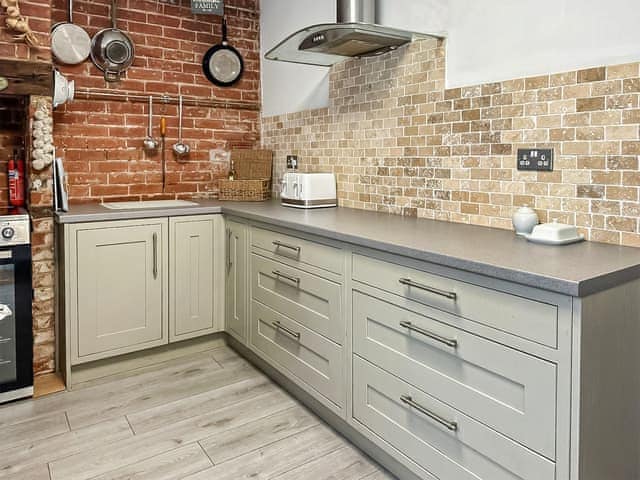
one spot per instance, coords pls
(354, 35)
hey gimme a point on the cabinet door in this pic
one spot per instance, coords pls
(192, 298)
(236, 280)
(120, 277)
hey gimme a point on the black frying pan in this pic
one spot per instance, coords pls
(223, 64)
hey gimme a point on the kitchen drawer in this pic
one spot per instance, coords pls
(316, 361)
(299, 251)
(530, 319)
(510, 391)
(439, 438)
(310, 300)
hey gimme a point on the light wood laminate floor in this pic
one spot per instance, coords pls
(204, 416)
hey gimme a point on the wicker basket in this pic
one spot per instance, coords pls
(245, 190)
(253, 177)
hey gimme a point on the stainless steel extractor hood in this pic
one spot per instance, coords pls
(355, 34)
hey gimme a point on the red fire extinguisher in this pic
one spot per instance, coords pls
(16, 180)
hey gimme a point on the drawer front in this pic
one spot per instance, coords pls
(312, 301)
(530, 319)
(298, 250)
(316, 361)
(508, 390)
(439, 438)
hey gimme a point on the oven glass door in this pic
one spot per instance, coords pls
(16, 338)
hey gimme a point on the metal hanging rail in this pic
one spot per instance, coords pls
(87, 94)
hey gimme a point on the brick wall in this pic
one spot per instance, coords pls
(101, 142)
(400, 142)
(38, 12)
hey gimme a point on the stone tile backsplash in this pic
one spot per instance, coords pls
(400, 142)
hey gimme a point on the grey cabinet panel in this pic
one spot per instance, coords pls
(308, 299)
(298, 250)
(118, 289)
(293, 348)
(192, 277)
(510, 391)
(236, 296)
(417, 426)
(530, 319)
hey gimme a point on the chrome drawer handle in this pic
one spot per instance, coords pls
(278, 274)
(279, 326)
(278, 244)
(155, 255)
(453, 426)
(410, 283)
(433, 336)
(229, 262)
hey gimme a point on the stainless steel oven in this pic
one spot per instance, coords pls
(16, 294)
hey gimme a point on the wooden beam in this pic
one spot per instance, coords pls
(26, 78)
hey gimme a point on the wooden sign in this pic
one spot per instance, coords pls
(210, 7)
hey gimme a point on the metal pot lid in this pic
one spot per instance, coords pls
(225, 65)
(70, 44)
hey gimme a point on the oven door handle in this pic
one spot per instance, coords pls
(7, 258)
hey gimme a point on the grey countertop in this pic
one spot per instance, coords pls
(578, 270)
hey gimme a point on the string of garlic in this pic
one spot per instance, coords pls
(16, 22)
(42, 130)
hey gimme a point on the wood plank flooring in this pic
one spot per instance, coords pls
(206, 416)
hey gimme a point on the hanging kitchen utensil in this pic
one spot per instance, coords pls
(163, 137)
(150, 143)
(180, 148)
(70, 44)
(223, 64)
(112, 50)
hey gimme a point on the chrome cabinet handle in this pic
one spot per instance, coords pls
(229, 262)
(155, 255)
(433, 336)
(278, 274)
(410, 283)
(453, 426)
(278, 244)
(278, 326)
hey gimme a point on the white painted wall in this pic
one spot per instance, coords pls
(488, 40)
(288, 87)
(492, 40)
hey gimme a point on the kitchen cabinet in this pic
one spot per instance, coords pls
(131, 285)
(236, 297)
(116, 290)
(193, 284)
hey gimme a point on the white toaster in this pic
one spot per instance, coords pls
(309, 190)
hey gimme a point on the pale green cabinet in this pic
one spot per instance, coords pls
(236, 280)
(192, 282)
(116, 290)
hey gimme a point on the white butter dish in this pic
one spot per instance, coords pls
(554, 234)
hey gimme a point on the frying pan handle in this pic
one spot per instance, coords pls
(70, 11)
(111, 76)
(224, 30)
(114, 13)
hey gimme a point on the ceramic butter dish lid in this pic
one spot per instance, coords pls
(554, 233)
